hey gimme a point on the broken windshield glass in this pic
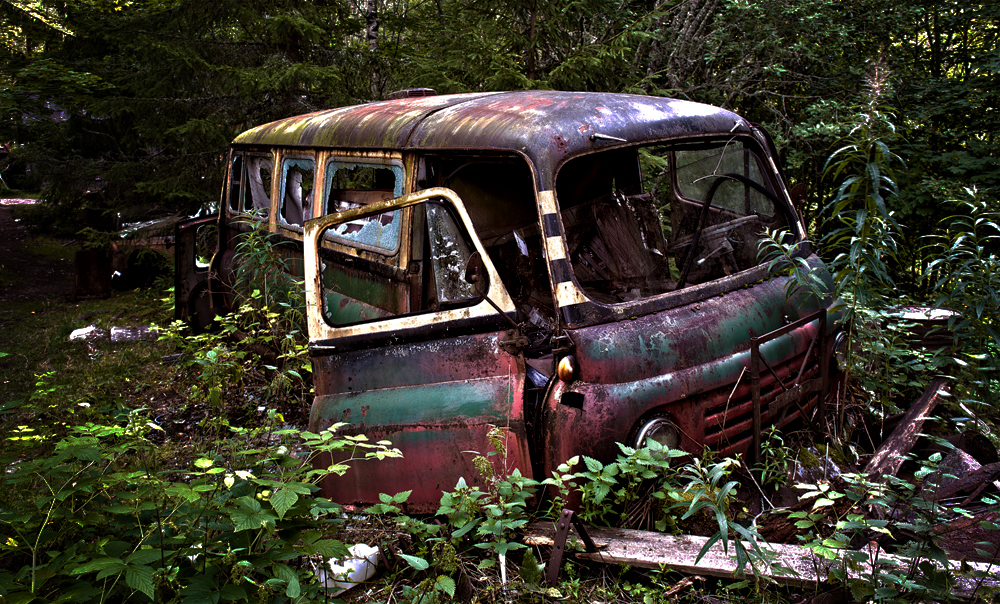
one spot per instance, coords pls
(644, 221)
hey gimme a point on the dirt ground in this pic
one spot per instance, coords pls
(25, 276)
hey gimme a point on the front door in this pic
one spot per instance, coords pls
(414, 347)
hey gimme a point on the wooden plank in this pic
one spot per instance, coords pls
(889, 456)
(792, 565)
(647, 549)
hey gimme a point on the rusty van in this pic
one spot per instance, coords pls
(577, 269)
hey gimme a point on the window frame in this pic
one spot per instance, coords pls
(400, 326)
(690, 292)
(279, 204)
(243, 155)
(398, 169)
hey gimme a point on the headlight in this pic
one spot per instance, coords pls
(840, 344)
(566, 370)
(661, 430)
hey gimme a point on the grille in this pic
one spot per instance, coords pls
(729, 421)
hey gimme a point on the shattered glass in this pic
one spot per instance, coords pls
(645, 221)
(353, 185)
(297, 182)
(450, 254)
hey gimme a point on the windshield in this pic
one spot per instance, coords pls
(644, 221)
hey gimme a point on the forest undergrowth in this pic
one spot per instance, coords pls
(180, 470)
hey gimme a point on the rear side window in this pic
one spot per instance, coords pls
(351, 185)
(250, 184)
(298, 177)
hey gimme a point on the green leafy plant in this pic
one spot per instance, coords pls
(645, 482)
(965, 273)
(259, 351)
(783, 257)
(469, 523)
(705, 490)
(245, 359)
(632, 490)
(774, 457)
(864, 230)
(96, 521)
(860, 526)
(265, 278)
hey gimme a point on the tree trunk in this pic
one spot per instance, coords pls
(371, 34)
(371, 25)
(529, 59)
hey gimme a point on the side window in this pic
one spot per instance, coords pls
(358, 290)
(250, 184)
(499, 194)
(297, 183)
(236, 176)
(718, 208)
(695, 170)
(450, 253)
(352, 185)
(206, 242)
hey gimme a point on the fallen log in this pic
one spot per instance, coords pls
(947, 482)
(889, 456)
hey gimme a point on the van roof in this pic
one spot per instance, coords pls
(544, 125)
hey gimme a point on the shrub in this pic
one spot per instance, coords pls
(96, 521)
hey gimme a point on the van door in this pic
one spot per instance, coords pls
(195, 241)
(416, 349)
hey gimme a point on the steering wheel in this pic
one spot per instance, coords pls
(719, 179)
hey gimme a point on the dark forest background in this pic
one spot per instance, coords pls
(128, 106)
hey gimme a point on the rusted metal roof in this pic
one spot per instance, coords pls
(381, 125)
(544, 125)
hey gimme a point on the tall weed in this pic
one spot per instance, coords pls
(258, 353)
(863, 237)
(265, 278)
(965, 274)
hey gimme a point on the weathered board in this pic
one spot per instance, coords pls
(648, 549)
(889, 456)
(786, 564)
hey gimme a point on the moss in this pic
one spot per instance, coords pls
(834, 453)
(807, 459)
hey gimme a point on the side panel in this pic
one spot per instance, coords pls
(436, 402)
(689, 364)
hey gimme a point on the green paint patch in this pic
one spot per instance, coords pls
(484, 401)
